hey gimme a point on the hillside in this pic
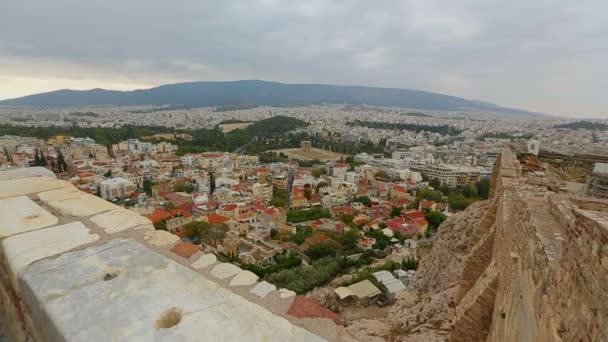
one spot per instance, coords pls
(584, 125)
(275, 126)
(253, 92)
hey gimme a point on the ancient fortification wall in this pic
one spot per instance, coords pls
(535, 268)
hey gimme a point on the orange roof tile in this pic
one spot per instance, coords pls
(185, 249)
(215, 218)
(303, 307)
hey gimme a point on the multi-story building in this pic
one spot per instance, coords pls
(262, 191)
(444, 173)
(116, 188)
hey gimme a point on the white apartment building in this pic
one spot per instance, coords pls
(444, 173)
(116, 188)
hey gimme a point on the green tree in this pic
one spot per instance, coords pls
(396, 211)
(458, 201)
(322, 250)
(380, 244)
(301, 235)
(61, 164)
(320, 185)
(346, 218)
(36, 158)
(469, 190)
(194, 230)
(435, 183)
(318, 172)
(148, 187)
(381, 174)
(214, 233)
(42, 159)
(409, 264)
(162, 225)
(349, 240)
(483, 188)
(365, 200)
(435, 218)
(431, 195)
(308, 193)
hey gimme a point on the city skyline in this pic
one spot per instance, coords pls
(541, 56)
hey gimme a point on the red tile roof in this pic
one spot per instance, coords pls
(400, 188)
(401, 226)
(229, 207)
(185, 249)
(343, 209)
(426, 204)
(413, 214)
(215, 218)
(302, 307)
(420, 221)
(161, 214)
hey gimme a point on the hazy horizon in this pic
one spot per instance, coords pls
(543, 56)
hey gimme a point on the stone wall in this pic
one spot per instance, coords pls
(74, 267)
(535, 268)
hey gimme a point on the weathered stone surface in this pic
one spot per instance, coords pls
(285, 293)
(244, 278)
(21, 214)
(225, 270)
(27, 172)
(263, 289)
(160, 238)
(120, 219)
(24, 249)
(126, 292)
(24, 186)
(369, 330)
(73, 202)
(205, 260)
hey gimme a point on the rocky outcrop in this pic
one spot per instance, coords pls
(443, 268)
(527, 265)
(439, 275)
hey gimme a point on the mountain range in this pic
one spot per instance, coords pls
(255, 92)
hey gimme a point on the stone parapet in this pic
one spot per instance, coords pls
(74, 267)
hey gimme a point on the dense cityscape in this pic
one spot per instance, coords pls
(303, 171)
(316, 200)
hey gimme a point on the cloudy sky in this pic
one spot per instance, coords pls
(541, 55)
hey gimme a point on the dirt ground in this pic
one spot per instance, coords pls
(353, 312)
(314, 153)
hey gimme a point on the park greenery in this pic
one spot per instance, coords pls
(303, 278)
(281, 262)
(584, 125)
(503, 135)
(205, 232)
(301, 235)
(297, 216)
(459, 197)
(365, 200)
(184, 187)
(441, 129)
(279, 197)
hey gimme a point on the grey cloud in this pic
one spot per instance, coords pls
(538, 54)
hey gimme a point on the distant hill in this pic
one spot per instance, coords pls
(254, 92)
(584, 125)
